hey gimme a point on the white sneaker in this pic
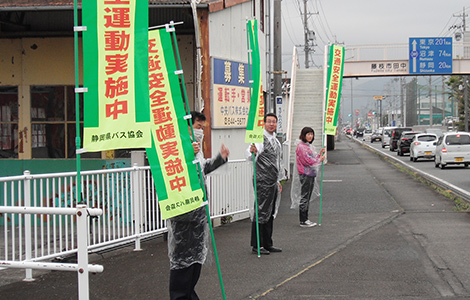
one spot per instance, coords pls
(307, 223)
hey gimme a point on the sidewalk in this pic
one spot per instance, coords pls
(355, 209)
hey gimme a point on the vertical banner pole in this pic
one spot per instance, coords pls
(250, 80)
(325, 88)
(77, 105)
(201, 178)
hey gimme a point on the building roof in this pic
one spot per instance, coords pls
(68, 3)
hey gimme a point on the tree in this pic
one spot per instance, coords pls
(456, 86)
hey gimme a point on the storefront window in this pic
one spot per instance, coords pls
(8, 122)
(53, 122)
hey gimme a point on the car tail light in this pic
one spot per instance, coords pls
(417, 143)
(444, 150)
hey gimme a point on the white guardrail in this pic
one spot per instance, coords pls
(82, 267)
(126, 197)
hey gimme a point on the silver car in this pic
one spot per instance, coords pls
(453, 148)
(423, 146)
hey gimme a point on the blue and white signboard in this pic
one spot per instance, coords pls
(230, 93)
(430, 55)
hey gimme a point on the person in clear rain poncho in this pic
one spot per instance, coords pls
(189, 234)
(269, 173)
(304, 187)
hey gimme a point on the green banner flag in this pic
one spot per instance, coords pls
(115, 71)
(333, 94)
(172, 154)
(255, 123)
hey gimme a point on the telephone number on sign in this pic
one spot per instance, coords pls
(238, 121)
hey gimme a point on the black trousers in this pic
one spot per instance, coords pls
(183, 282)
(265, 234)
(306, 189)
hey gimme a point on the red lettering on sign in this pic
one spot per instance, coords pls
(158, 98)
(156, 81)
(173, 167)
(118, 17)
(121, 2)
(116, 63)
(118, 107)
(117, 87)
(169, 149)
(165, 132)
(177, 183)
(161, 115)
(116, 40)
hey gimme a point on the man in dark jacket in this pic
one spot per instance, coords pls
(188, 234)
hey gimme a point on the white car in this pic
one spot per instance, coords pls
(367, 135)
(423, 146)
(453, 148)
(386, 134)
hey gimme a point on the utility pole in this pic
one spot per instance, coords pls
(309, 35)
(402, 103)
(307, 47)
(277, 41)
(465, 100)
(430, 102)
(443, 101)
(267, 38)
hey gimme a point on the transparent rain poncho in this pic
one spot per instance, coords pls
(269, 172)
(295, 192)
(189, 234)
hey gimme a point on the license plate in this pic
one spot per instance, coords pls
(427, 152)
(459, 159)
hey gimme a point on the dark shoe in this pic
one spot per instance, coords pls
(261, 251)
(274, 249)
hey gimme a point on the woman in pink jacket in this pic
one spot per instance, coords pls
(307, 162)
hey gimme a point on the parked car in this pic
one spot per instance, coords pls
(453, 148)
(386, 134)
(423, 146)
(376, 136)
(396, 132)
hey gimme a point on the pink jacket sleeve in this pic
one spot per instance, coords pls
(306, 157)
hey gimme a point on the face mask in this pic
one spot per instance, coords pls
(198, 135)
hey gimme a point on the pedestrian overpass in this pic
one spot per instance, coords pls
(393, 60)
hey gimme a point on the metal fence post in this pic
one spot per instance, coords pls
(136, 199)
(82, 255)
(27, 224)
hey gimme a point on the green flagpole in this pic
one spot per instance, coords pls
(250, 81)
(201, 178)
(77, 104)
(323, 131)
(321, 182)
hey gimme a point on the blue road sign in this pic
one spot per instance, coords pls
(430, 55)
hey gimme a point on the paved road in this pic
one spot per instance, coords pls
(456, 175)
(383, 235)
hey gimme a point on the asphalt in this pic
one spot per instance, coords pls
(383, 235)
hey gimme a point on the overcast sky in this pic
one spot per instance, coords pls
(354, 22)
(365, 22)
